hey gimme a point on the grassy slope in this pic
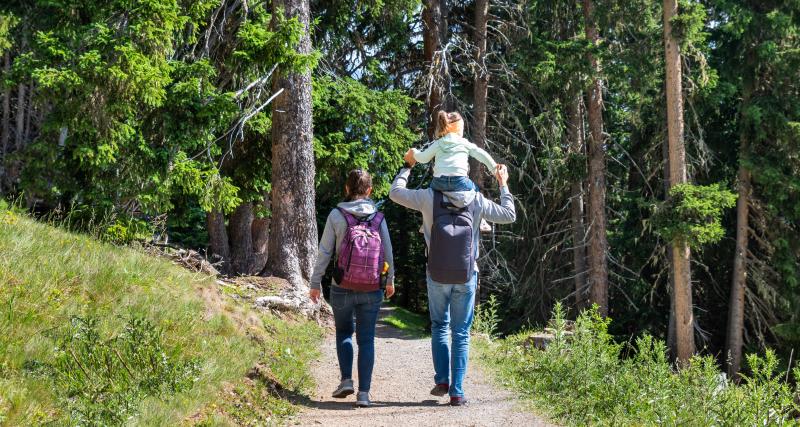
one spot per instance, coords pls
(47, 276)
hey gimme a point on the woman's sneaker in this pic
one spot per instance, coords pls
(362, 400)
(440, 390)
(345, 389)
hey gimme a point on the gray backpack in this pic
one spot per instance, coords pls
(451, 257)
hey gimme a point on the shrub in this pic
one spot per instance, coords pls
(102, 381)
(486, 318)
(581, 379)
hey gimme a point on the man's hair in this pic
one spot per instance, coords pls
(358, 184)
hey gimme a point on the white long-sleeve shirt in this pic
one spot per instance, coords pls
(452, 153)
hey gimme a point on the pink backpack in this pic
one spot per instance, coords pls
(358, 265)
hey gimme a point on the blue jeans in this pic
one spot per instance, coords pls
(364, 306)
(452, 310)
(453, 183)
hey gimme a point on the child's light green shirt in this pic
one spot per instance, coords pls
(452, 154)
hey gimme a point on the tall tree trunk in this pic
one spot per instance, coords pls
(5, 132)
(29, 115)
(598, 243)
(681, 273)
(576, 148)
(735, 341)
(736, 305)
(672, 345)
(241, 239)
(481, 88)
(432, 38)
(219, 250)
(20, 116)
(293, 231)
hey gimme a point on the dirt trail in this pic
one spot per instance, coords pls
(401, 382)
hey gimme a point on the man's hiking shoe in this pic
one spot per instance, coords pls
(362, 400)
(440, 389)
(485, 227)
(458, 401)
(345, 389)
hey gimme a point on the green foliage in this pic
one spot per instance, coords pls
(487, 318)
(355, 126)
(140, 118)
(689, 25)
(7, 23)
(693, 213)
(101, 380)
(128, 230)
(582, 379)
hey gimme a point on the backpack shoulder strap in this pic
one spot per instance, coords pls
(376, 220)
(438, 202)
(351, 220)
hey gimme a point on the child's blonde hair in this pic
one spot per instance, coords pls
(447, 123)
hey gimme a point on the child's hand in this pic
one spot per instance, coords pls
(501, 173)
(409, 157)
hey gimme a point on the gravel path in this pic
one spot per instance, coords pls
(401, 382)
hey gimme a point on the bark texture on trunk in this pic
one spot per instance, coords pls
(241, 239)
(293, 231)
(20, 116)
(576, 147)
(260, 233)
(736, 305)
(598, 243)
(218, 248)
(480, 89)
(432, 38)
(5, 131)
(681, 273)
(671, 344)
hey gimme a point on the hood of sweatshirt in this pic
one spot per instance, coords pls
(460, 198)
(453, 143)
(359, 208)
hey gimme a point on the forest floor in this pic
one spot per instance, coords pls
(401, 382)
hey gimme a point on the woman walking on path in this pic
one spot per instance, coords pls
(449, 222)
(357, 233)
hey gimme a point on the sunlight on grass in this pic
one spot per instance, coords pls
(52, 373)
(407, 321)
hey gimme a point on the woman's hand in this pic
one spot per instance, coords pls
(409, 157)
(314, 295)
(389, 290)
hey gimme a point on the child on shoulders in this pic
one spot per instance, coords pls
(451, 152)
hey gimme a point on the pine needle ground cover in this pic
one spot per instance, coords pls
(584, 377)
(95, 334)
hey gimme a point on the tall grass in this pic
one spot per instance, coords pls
(582, 379)
(153, 344)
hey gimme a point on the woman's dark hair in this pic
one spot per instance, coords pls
(358, 184)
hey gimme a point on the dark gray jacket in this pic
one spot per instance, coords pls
(422, 200)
